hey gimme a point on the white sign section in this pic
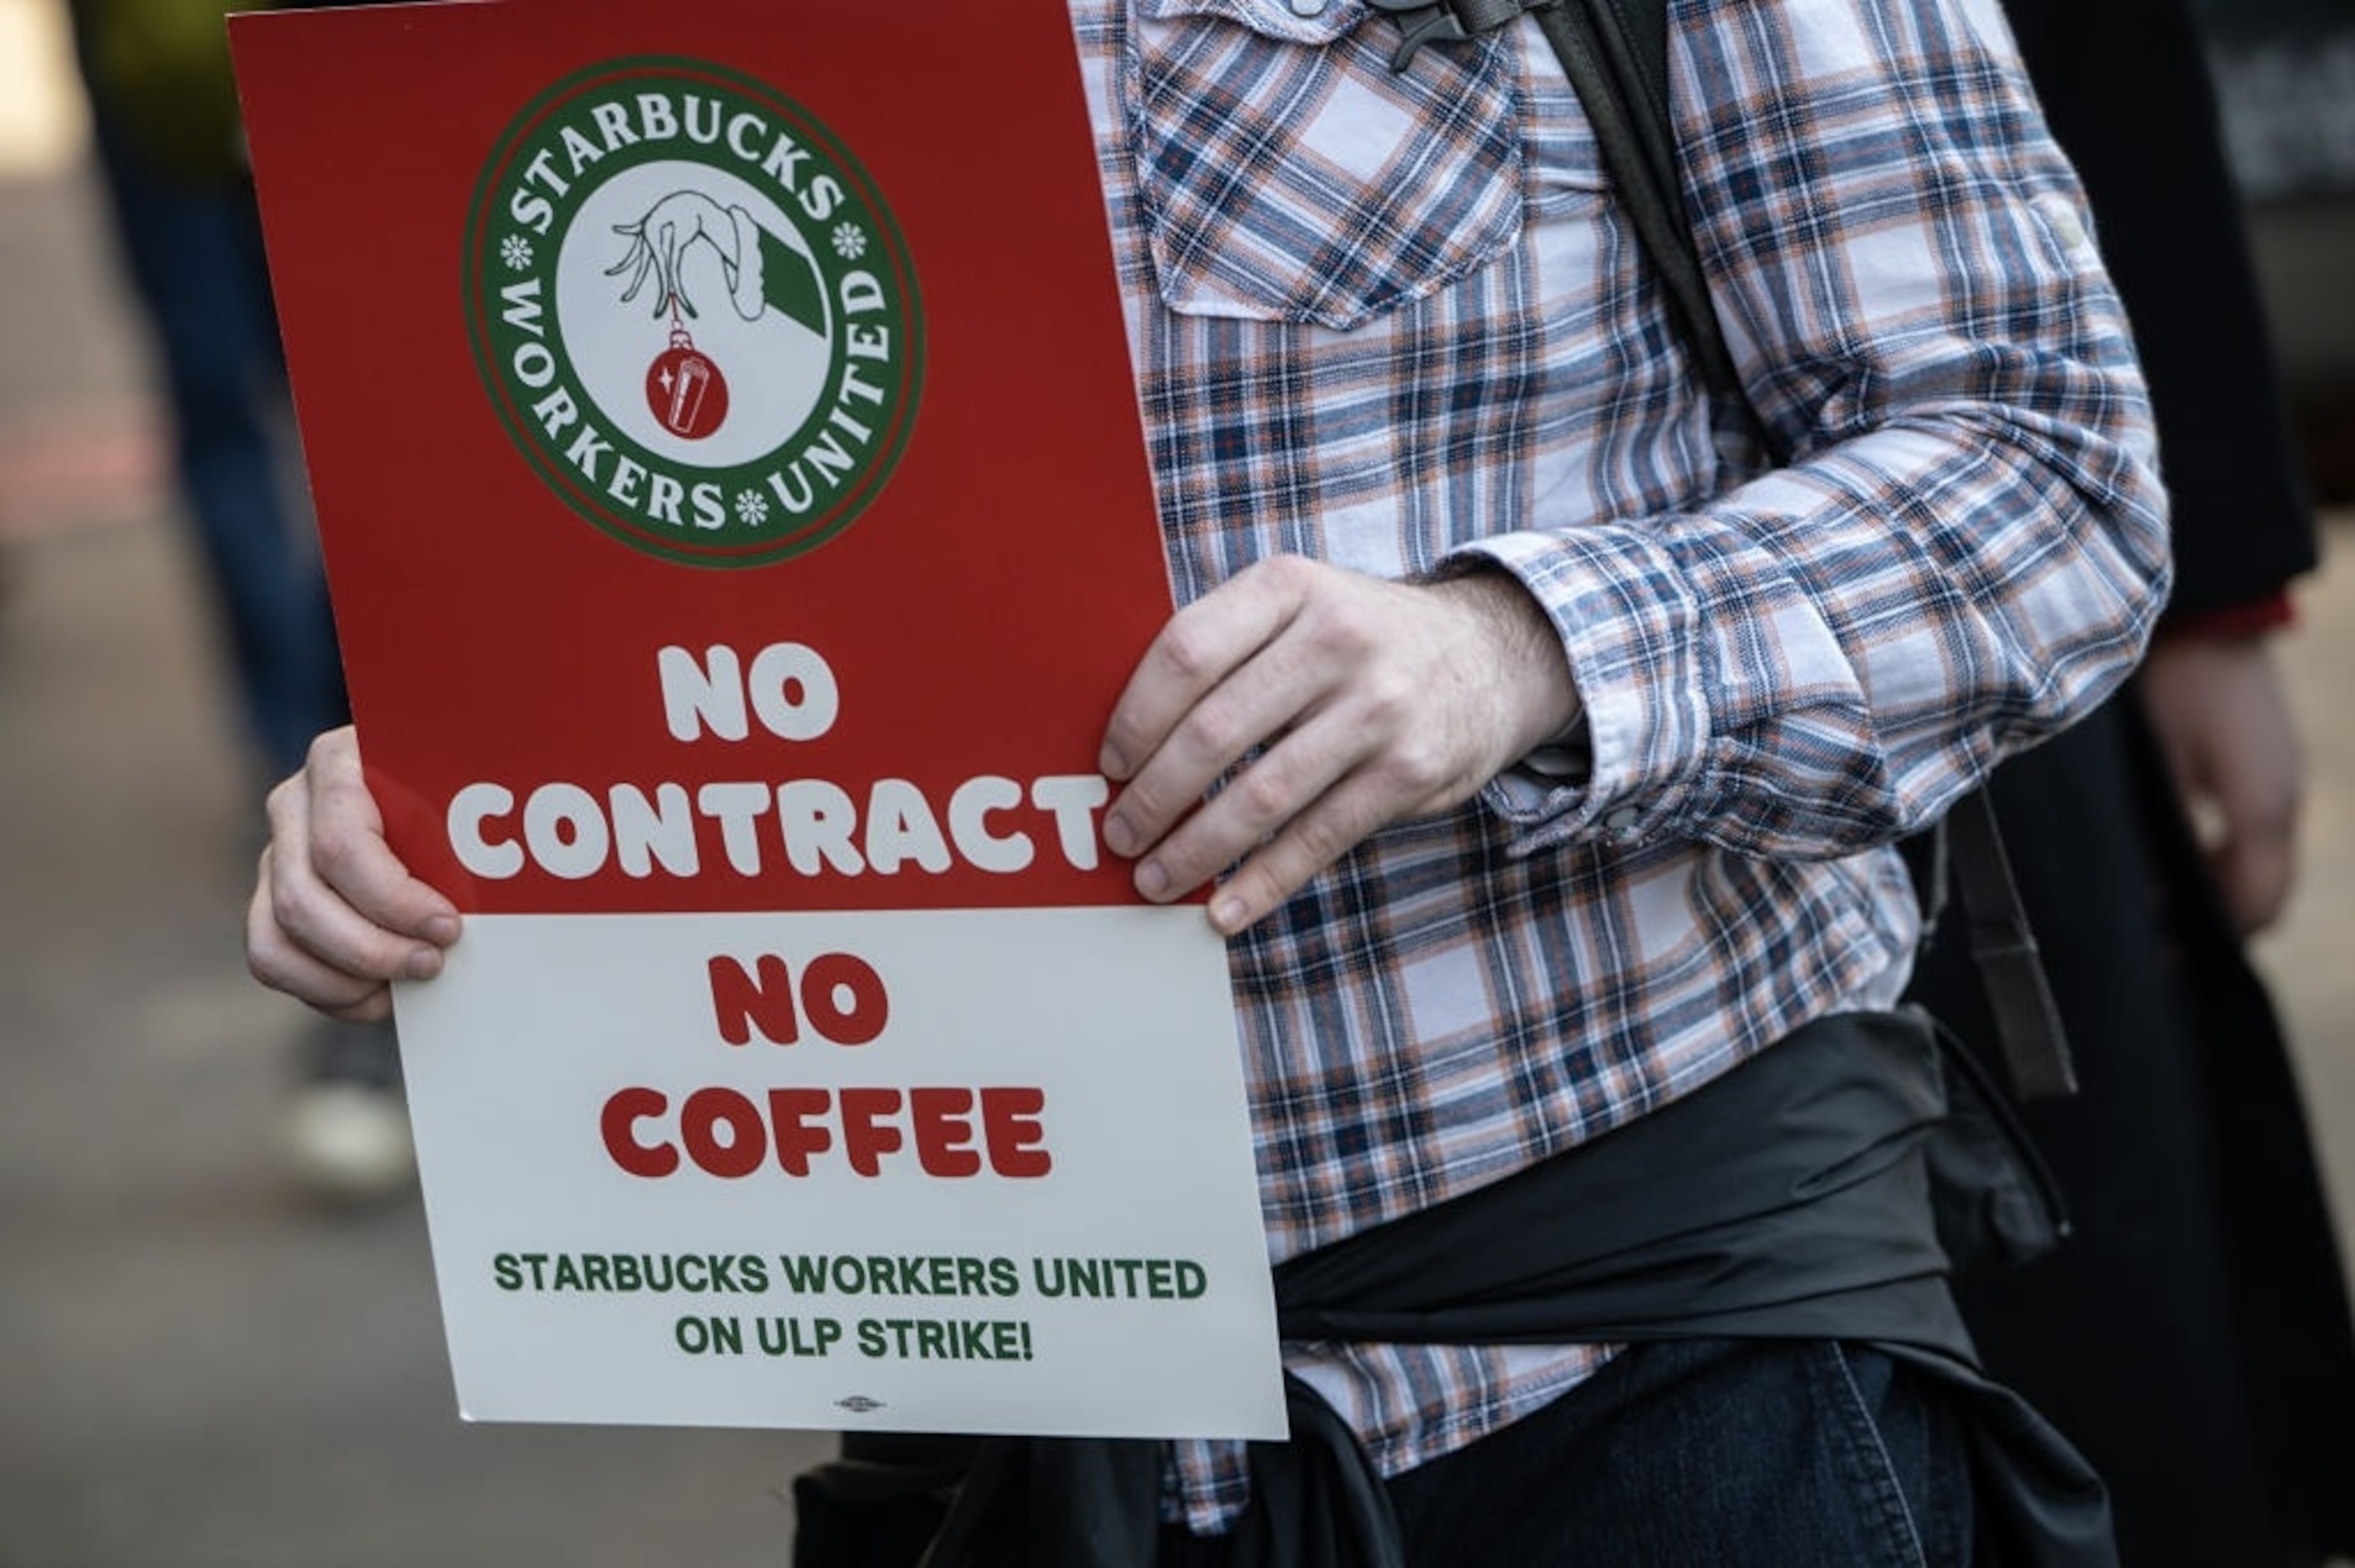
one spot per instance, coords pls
(929, 1171)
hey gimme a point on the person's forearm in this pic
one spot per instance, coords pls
(1968, 548)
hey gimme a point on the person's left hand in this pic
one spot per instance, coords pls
(2222, 717)
(1375, 701)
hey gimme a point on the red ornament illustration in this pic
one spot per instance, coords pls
(685, 389)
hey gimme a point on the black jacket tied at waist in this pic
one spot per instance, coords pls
(1823, 1190)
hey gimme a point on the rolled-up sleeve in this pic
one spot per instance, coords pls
(1966, 547)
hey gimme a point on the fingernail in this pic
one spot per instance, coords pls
(424, 963)
(1119, 837)
(1226, 914)
(1152, 879)
(441, 930)
(1111, 763)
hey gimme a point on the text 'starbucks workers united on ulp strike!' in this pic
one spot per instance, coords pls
(805, 1061)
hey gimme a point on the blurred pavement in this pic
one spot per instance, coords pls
(197, 1368)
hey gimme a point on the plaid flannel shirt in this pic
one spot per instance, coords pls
(1397, 320)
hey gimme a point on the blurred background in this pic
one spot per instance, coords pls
(205, 1361)
(2284, 77)
(201, 1360)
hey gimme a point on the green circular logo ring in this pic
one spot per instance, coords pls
(693, 312)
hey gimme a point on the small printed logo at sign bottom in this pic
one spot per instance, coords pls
(860, 1404)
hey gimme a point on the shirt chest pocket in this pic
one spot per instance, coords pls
(1286, 175)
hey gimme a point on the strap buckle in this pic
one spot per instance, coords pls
(1424, 22)
(1419, 22)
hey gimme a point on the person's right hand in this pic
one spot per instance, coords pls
(2222, 713)
(336, 915)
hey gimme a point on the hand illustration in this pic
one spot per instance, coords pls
(659, 242)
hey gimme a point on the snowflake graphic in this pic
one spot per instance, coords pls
(849, 242)
(515, 252)
(751, 508)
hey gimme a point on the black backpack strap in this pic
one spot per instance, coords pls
(1616, 54)
(2003, 949)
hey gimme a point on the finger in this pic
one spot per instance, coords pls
(2255, 881)
(1310, 842)
(646, 260)
(675, 266)
(1257, 804)
(663, 245)
(277, 963)
(330, 888)
(337, 821)
(1261, 706)
(2253, 803)
(1215, 688)
(1196, 650)
(301, 924)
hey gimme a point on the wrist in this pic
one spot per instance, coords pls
(1546, 720)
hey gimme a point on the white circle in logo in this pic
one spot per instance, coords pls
(688, 230)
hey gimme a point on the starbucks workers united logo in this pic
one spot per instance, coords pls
(693, 313)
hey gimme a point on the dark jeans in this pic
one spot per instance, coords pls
(194, 254)
(1698, 1453)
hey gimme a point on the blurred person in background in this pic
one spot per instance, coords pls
(2193, 1336)
(172, 161)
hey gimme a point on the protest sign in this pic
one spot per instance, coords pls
(734, 501)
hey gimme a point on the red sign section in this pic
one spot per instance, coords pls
(724, 442)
